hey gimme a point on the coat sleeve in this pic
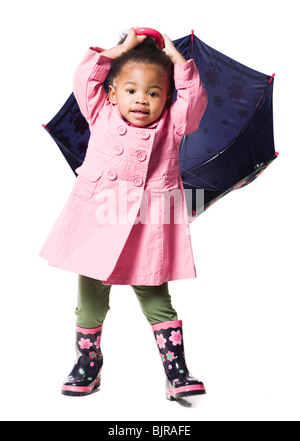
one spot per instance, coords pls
(187, 111)
(88, 83)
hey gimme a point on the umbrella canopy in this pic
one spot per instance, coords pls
(233, 144)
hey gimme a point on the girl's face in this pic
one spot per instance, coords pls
(141, 92)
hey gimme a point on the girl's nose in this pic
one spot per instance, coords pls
(141, 99)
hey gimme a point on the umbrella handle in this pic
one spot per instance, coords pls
(152, 33)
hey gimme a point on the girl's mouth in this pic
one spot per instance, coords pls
(140, 113)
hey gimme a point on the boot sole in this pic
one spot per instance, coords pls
(80, 391)
(185, 391)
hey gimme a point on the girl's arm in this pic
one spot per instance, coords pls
(188, 109)
(92, 72)
(88, 83)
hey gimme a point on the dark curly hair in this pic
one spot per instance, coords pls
(147, 52)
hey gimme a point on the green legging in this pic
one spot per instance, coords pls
(93, 302)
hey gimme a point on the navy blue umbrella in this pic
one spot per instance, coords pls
(233, 144)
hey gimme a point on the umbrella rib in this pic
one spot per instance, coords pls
(184, 140)
(202, 180)
(77, 156)
(195, 157)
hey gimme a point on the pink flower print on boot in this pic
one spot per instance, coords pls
(92, 355)
(97, 342)
(170, 356)
(160, 340)
(176, 338)
(85, 343)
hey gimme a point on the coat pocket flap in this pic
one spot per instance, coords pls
(89, 172)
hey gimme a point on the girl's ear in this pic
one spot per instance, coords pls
(169, 101)
(112, 94)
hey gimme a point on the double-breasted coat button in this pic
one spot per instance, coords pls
(119, 150)
(111, 175)
(141, 156)
(137, 181)
(122, 130)
(145, 135)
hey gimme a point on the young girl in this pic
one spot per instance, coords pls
(125, 221)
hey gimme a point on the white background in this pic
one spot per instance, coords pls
(240, 316)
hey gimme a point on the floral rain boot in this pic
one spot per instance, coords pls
(180, 382)
(85, 375)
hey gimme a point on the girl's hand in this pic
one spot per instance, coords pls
(172, 52)
(133, 40)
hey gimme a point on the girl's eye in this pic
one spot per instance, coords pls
(131, 91)
(153, 94)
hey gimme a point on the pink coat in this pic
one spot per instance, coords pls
(125, 221)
